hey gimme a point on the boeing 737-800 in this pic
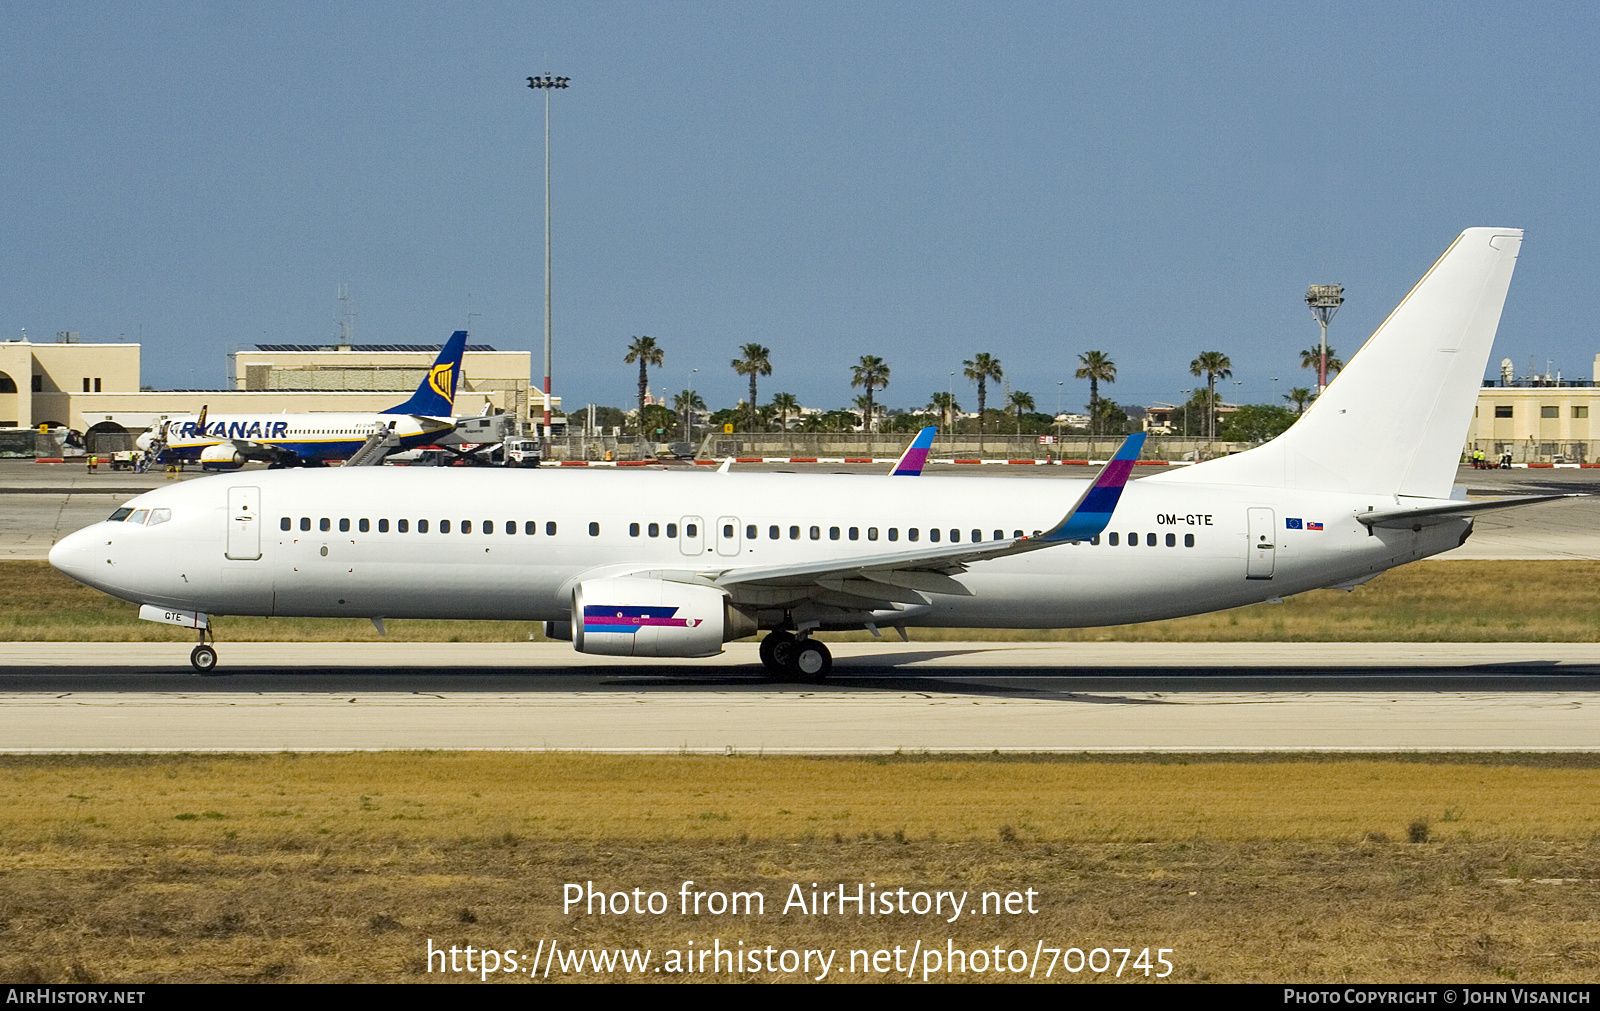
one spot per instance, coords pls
(226, 442)
(674, 565)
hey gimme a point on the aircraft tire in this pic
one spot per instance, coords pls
(810, 661)
(775, 649)
(204, 659)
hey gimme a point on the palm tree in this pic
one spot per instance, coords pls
(644, 351)
(686, 403)
(1299, 397)
(945, 403)
(1018, 402)
(785, 404)
(1311, 357)
(1096, 367)
(1213, 365)
(980, 369)
(872, 373)
(756, 362)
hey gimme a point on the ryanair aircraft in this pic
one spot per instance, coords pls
(226, 442)
(661, 564)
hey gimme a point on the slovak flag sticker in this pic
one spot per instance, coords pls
(1294, 523)
(1313, 526)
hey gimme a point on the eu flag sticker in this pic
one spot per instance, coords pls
(1291, 523)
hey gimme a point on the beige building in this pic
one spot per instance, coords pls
(1537, 424)
(94, 388)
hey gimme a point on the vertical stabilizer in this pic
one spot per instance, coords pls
(1394, 421)
(436, 394)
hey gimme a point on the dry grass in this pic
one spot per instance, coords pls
(1521, 601)
(328, 867)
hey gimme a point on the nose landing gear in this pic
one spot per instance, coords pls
(203, 657)
(788, 657)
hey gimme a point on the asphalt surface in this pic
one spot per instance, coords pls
(941, 697)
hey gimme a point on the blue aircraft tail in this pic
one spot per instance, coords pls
(436, 394)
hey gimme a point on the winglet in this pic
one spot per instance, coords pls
(1093, 509)
(915, 457)
(436, 394)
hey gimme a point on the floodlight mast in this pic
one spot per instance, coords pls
(1324, 300)
(546, 84)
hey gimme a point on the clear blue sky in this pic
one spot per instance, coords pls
(920, 182)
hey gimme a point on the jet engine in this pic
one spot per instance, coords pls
(222, 456)
(635, 616)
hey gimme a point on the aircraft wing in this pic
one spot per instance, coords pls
(899, 576)
(1430, 512)
(263, 451)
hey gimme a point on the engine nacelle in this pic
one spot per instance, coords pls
(222, 456)
(634, 616)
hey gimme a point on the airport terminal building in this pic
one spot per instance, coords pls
(95, 388)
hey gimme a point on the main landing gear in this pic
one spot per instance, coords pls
(792, 658)
(203, 657)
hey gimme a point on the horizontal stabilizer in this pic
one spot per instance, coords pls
(1434, 512)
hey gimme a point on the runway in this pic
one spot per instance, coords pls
(938, 697)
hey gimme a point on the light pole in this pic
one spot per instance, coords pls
(1186, 406)
(547, 84)
(1324, 300)
(1057, 419)
(688, 410)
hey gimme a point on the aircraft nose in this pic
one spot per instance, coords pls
(74, 555)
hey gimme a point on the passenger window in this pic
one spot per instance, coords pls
(122, 514)
(1015, 533)
(344, 525)
(633, 530)
(1133, 540)
(1188, 540)
(594, 530)
(727, 531)
(933, 535)
(894, 533)
(816, 533)
(773, 533)
(444, 526)
(999, 535)
(672, 529)
(1172, 540)
(324, 524)
(488, 526)
(466, 527)
(833, 533)
(872, 533)
(913, 534)
(855, 533)
(364, 526)
(550, 528)
(1149, 540)
(305, 523)
(1095, 539)
(285, 523)
(531, 527)
(955, 535)
(977, 535)
(1112, 540)
(402, 526)
(654, 530)
(158, 516)
(383, 526)
(692, 529)
(794, 533)
(422, 526)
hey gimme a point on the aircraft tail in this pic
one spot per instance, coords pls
(1395, 420)
(436, 394)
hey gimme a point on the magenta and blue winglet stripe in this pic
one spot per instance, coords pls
(1094, 510)
(916, 455)
(628, 620)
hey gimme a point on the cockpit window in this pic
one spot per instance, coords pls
(158, 516)
(139, 516)
(119, 515)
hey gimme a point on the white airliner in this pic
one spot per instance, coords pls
(225, 442)
(661, 564)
